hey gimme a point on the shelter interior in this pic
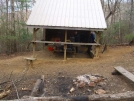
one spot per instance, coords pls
(58, 35)
(59, 40)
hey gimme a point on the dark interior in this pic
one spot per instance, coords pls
(59, 35)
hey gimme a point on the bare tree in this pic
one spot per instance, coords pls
(112, 6)
(13, 32)
(131, 16)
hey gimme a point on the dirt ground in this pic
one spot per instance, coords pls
(54, 67)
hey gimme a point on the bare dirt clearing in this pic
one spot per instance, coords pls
(50, 66)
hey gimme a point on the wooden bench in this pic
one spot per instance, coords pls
(29, 59)
(67, 43)
(125, 73)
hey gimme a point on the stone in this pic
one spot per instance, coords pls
(98, 80)
(101, 83)
(81, 84)
(92, 84)
(75, 83)
(100, 91)
(74, 80)
(93, 78)
(89, 90)
(72, 89)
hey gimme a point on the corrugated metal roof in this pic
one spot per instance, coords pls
(68, 14)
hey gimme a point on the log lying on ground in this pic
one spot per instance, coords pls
(105, 97)
(38, 86)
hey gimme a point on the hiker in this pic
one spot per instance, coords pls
(77, 39)
(91, 40)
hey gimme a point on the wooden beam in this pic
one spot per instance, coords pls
(34, 39)
(125, 73)
(44, 37)
(65, 46)
(34, 44)
(68, 43)
(98, 34)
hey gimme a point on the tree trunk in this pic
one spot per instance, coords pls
(13, 33)
(131, 14)
(7, 40)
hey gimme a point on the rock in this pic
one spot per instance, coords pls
(63, 76)
(98, 80)
(48, 81)
(74, 80)
(25, 97)
(81, 84)
(93, 78)
(100, 91)
(25, 89)
(83, 78)
(92, 84)
(102, 84)
(89, 90)
(60, 73)
(75, 83)
(72, 89)
(115, 73)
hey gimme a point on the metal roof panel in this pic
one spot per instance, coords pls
(68, 13)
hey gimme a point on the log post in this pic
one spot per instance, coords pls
(65, 46)
(34, 39)
(44, 37)
(31, 63)
(98, 34)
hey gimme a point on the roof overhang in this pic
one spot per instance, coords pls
(65, 28)
(68, 15)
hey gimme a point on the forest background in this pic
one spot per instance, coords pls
(15, 36)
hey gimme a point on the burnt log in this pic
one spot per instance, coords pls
(39, 85)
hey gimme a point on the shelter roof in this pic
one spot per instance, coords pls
(68, 14)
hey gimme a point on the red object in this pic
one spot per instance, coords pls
(57, 40)
(50, 48)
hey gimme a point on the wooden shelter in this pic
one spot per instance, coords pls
(86, 15)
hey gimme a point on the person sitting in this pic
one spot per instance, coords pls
(77, 39)
(70, 47)
(91, 40)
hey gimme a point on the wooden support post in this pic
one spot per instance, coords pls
(44, 37)
(29, 60)
(26, 63)
(98, 34)
(31, 63)
(65, 46)
(34, 39)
